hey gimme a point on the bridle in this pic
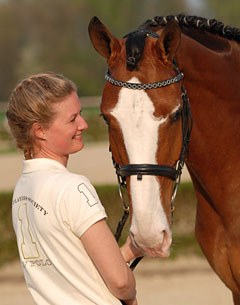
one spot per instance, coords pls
(170, 172)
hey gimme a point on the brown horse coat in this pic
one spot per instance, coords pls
(208, 53)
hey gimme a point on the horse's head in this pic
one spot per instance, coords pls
(143, 113)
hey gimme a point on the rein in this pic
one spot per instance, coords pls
(170, 172)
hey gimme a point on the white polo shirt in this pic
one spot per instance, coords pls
(51, 209)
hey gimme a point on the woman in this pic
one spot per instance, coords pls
(68, 254)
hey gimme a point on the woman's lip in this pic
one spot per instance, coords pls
(78, 135)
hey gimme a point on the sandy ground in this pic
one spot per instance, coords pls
(185, 281)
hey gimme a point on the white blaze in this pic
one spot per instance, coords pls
(134, 113)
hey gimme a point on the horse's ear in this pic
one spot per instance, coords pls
(103, 41)
(169, 41)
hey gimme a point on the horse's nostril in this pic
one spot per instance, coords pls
(166, 241)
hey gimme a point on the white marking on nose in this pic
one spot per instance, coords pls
(134, 112)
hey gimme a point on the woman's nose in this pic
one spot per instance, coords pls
(82, 123)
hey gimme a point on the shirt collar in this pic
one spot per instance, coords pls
(37, 164)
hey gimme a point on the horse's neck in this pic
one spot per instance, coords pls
(212, 81)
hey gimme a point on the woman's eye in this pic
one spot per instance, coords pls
(176, 115)
(75, 116)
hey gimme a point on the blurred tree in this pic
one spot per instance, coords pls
(226, 11)
(52, 40)
(52, 35)
(10, 38)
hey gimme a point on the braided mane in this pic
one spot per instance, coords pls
(210, 25)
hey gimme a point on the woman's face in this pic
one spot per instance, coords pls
(64, 135)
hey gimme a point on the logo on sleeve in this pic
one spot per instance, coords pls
(87, 195)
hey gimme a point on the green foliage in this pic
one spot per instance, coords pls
(46, 35)
(185, 244)
(227, 12)
(183, 240)
(7, 237)
(97, 129)
(3, 133)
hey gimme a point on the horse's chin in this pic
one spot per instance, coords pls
(154, 251)
(151, 252)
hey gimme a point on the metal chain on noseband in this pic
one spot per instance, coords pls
(148, 86)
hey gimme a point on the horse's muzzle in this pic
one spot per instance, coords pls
(159, 249)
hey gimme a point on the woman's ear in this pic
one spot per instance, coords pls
(38, 131)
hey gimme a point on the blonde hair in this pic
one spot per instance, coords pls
(32, 101)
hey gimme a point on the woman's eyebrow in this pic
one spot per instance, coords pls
(75, 114)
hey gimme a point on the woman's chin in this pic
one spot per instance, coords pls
(77, 148)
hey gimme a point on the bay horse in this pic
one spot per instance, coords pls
(145, 105)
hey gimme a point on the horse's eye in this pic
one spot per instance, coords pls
(176, 115)
(105, 118)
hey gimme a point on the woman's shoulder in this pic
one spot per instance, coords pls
(62, 183)
(71, 183)
(72, 179)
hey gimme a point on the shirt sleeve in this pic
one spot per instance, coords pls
(80, 206)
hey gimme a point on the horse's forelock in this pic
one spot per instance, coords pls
(135, 44)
